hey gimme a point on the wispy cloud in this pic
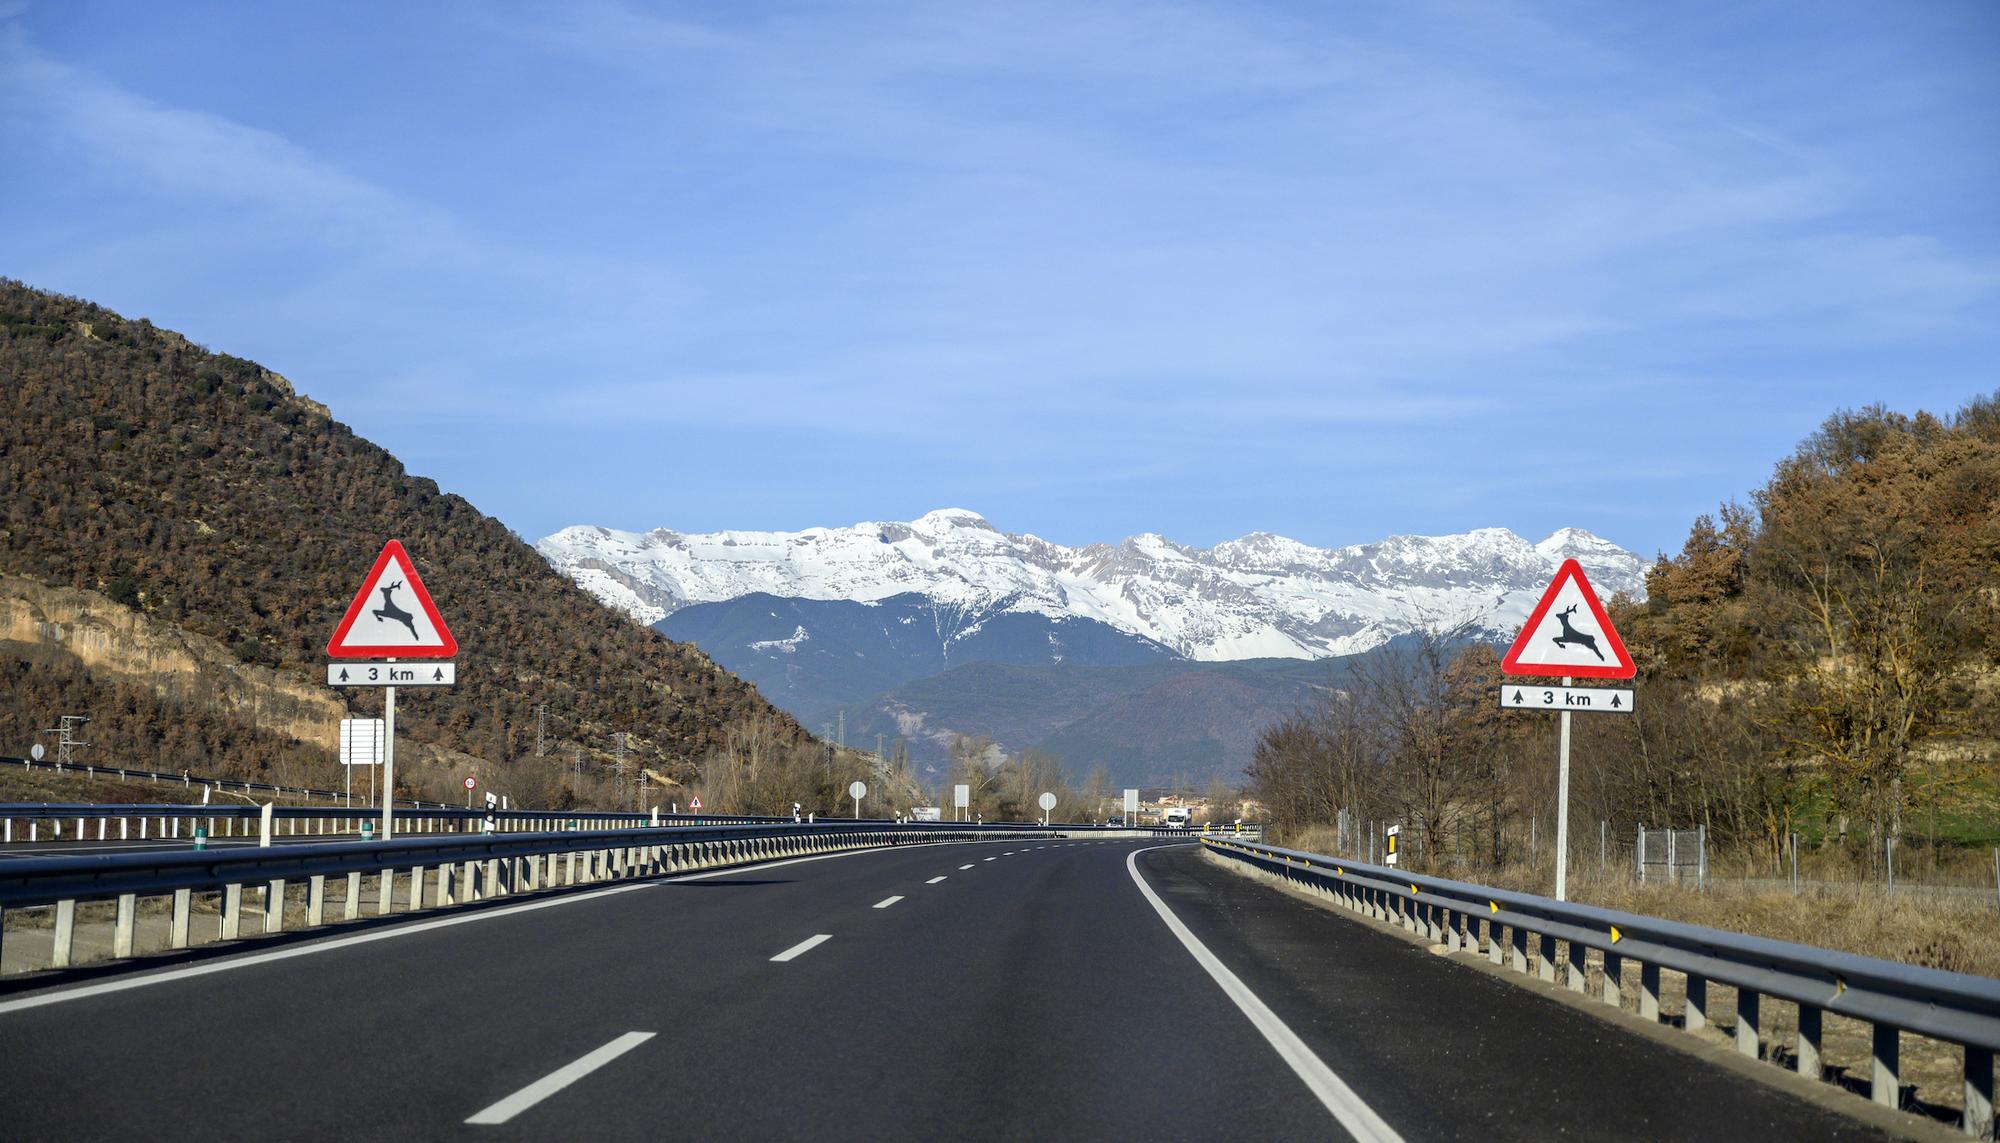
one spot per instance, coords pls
(1200, 245)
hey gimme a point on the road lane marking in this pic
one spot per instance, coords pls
(1009, 853)
(406, 929)
(1333, 1093)
(939, 878)
(992, 859)
(559, 1079)
(963, 868)
(886, 902)
(803, 947)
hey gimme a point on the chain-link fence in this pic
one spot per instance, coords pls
(1678, 856)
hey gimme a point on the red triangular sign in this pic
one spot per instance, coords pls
(392, 615)
(694, 803)
(1575, 638)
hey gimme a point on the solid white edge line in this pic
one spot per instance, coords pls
(1333, 1093)
(886, 902)
(122, 984)
(934, 880)
(802, 948)
(559, 1079)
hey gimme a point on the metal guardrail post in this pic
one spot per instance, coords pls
(65, 935)
(124, 928)
(1885, 1066)
(183, 909)
(1977, 1119)
(1746, 1021)
(1808, 1062)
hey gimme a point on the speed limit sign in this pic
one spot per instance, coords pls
(470, 781)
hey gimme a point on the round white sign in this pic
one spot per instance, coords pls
(1048, 801)
(858, 790)
(35, 752)
(470, 781)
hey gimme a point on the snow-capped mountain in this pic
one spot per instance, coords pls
(1261, 596)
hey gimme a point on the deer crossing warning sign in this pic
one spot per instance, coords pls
(1569, 634)
(392, 615)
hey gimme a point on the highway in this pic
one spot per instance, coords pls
(1000, 990)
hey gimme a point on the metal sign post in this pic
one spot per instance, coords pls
(388, 762)
(1562, 808)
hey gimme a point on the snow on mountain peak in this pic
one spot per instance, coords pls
(946, 519)
(1256, 596)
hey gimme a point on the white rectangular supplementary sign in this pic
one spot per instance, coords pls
(412, 674)
(361, 742)
(1609, 700)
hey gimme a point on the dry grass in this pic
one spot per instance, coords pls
(1955, 933)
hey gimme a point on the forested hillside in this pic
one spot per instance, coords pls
(200, 492)
(1820, 661)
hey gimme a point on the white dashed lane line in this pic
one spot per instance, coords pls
(559, 1079)
(934, 880)
(886, 902)
(992, 859)
(963, 868)
(803, 947)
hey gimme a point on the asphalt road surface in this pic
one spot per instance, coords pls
(998, 990)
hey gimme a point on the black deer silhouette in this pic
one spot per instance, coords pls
(1569, 635)
(395, 614)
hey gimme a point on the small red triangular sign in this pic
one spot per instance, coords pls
(392, 615)
(694, 803)
(1563, 643)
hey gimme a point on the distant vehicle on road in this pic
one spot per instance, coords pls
(1175, 816)
(1114, 821)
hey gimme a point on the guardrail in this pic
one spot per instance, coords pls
(188, 781)
(1893, 998)
(24, 821)
(432, 872)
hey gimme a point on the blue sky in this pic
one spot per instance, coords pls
(1334, 270)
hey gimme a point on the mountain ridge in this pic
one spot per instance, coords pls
(1258, 596)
